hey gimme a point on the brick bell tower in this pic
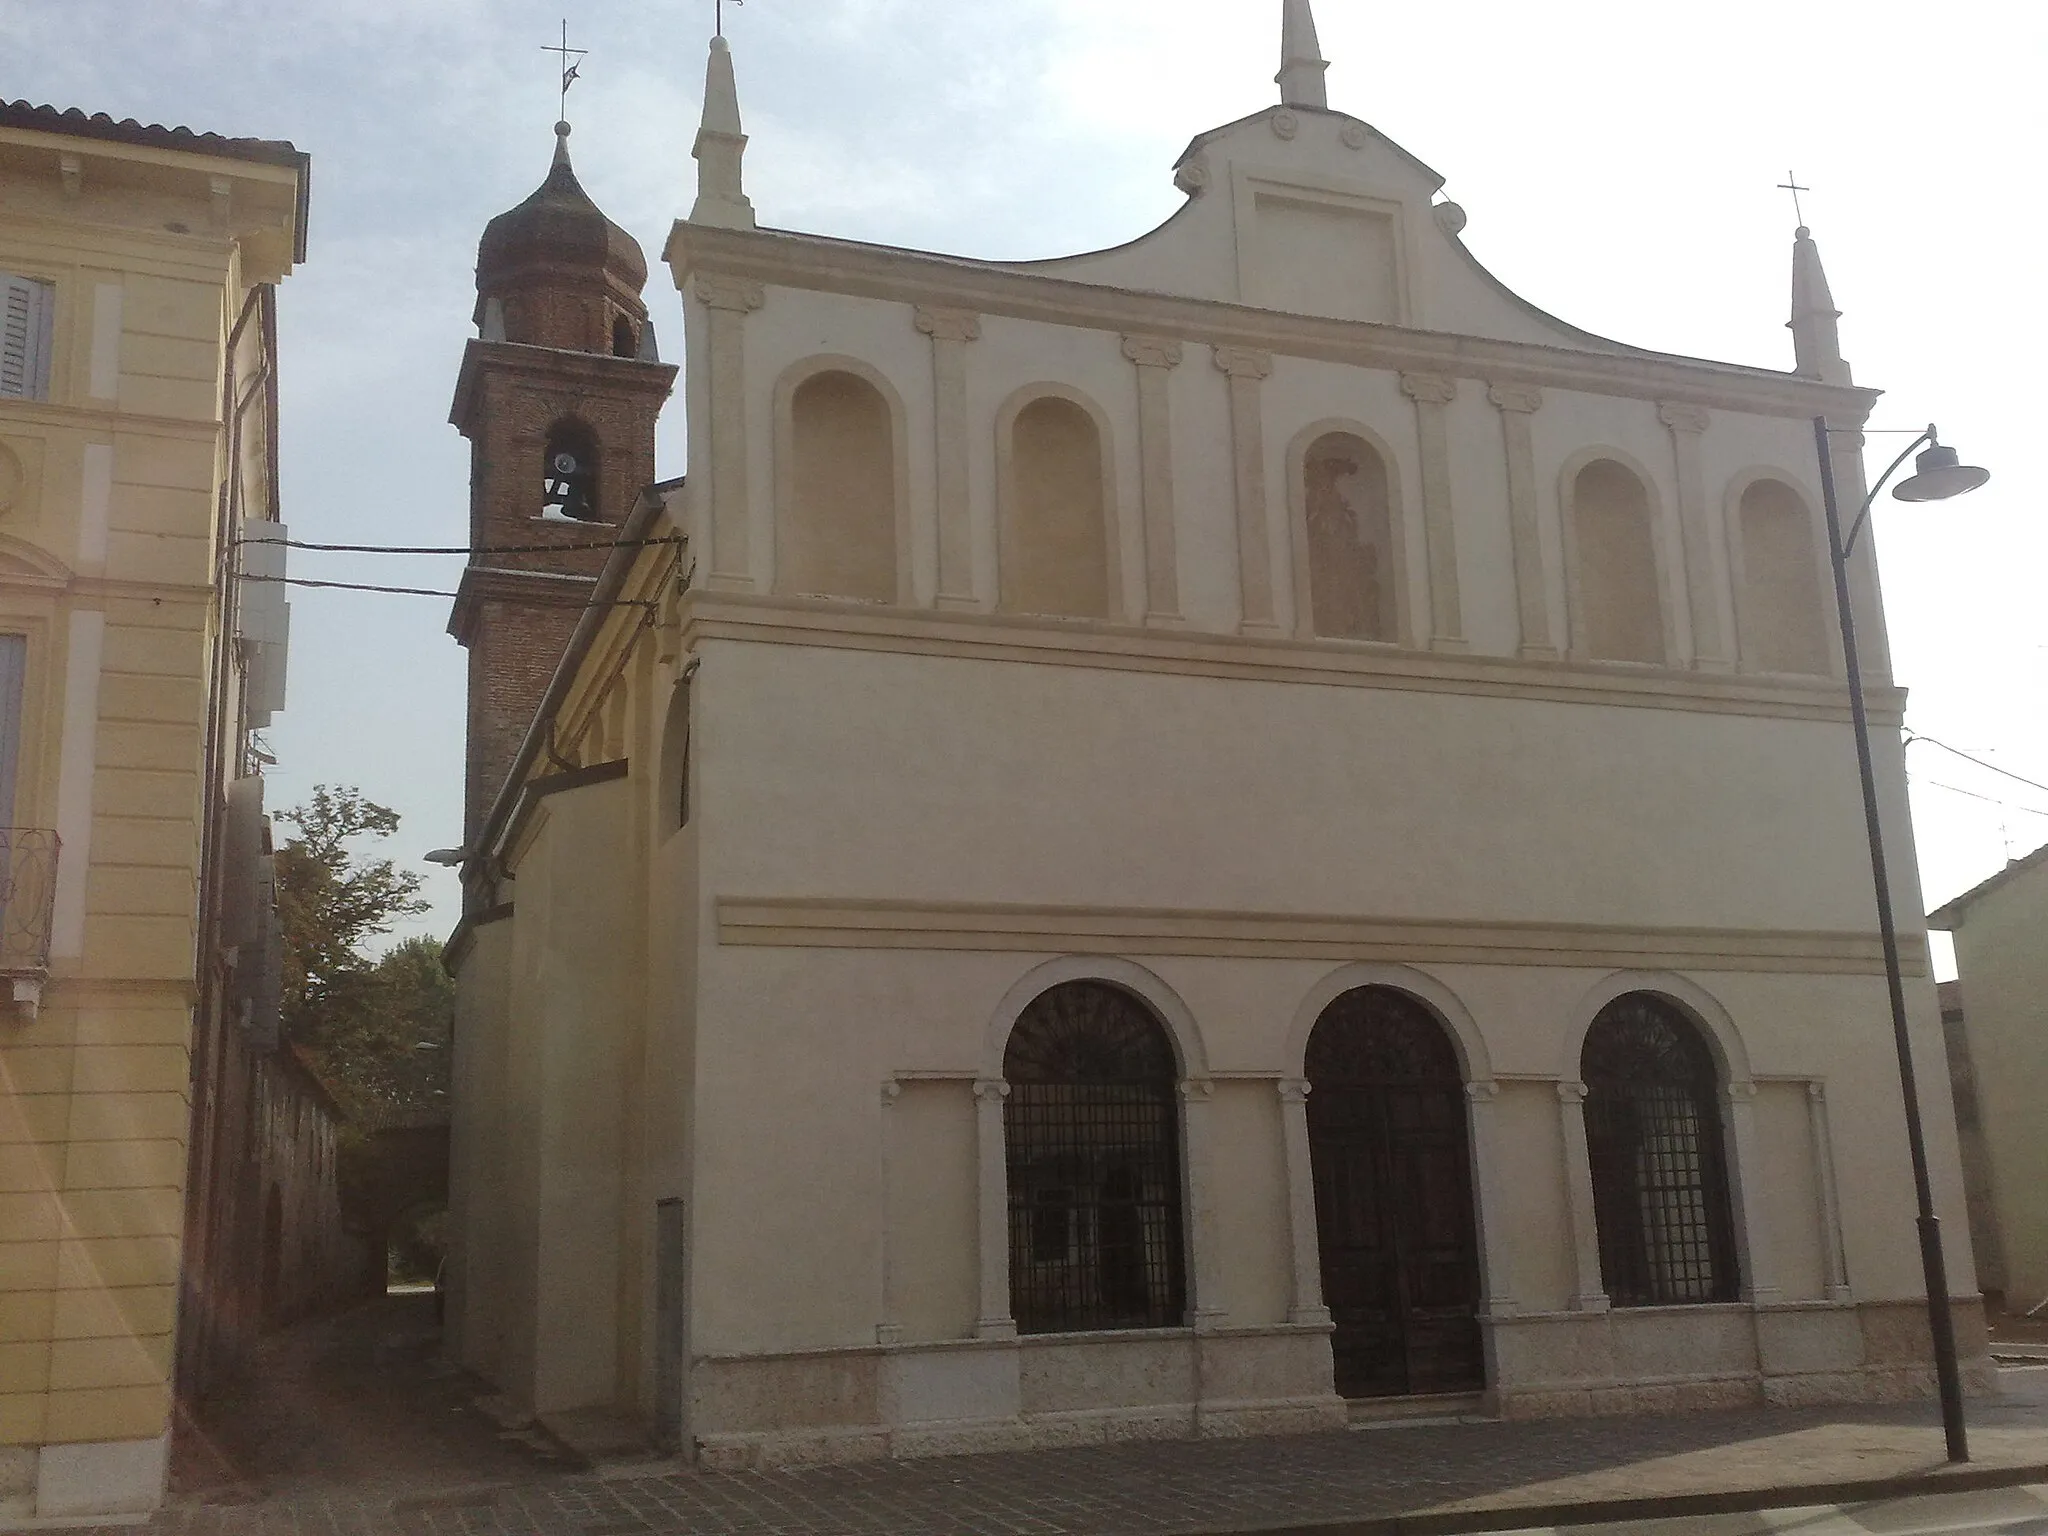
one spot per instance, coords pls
(558, 397)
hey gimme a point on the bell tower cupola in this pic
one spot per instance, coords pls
(558, 396)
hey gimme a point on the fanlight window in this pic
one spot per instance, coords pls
(841, 537)
(1619, 613)
(569, 474)
(1093, 1129)
(1055, 554)
(1660, 1178)
(1351, 566)
(1779, 582)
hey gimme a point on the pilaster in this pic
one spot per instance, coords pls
(1755, 1254)
(729, 301)
(951, 330)
(1307, 1305)
(1834, 1261)
(1248, 370)
(1432, 393)
(994, 1320)
(1516, 404)
(1589, 1292)
(887, 1330)
(1490, 1199)
(1207, 1309)
(1710, 649)
(1156, 358)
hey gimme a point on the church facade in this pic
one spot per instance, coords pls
(1194, 840)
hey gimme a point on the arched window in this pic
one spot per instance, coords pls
(1351, 566)
(1395, 1224)
(1778, 592)
(1093, 1129)
(1055, 547)
(625, 340)
(1618, 615)
(1660, 1177)
(840, 514)
(569, 474)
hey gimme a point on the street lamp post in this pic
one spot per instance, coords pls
(1938, 476)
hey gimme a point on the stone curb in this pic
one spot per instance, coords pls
(1462, 1522)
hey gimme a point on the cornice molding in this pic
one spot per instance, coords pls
(994, 927)
(552, 368)
(776, 620)
(810, 262)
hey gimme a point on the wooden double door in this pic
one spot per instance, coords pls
(1393, 1187)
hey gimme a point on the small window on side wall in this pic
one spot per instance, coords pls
(569, 475)
(675, 760)
(26, 308)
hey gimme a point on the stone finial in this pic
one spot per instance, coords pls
(1816, 339)
(721, 148)
(1302, 64)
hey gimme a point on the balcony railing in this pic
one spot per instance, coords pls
(28, 894)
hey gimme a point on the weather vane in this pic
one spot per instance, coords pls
(1791, 184)
(572, 63)
(719, 8)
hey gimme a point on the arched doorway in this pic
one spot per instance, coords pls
(1393, 1182)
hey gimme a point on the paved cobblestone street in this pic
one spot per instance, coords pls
(354, 1429)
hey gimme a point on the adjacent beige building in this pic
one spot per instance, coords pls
(1191, 840)
(137, 442)
(1999, 1052)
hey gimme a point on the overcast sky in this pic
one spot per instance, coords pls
(1618, 160)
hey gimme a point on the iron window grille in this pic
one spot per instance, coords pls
(1660, 1173)
(28, 893)
(1093, 1129)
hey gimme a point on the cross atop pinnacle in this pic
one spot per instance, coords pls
(1302, 64)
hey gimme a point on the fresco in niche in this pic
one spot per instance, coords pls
(1350, 540)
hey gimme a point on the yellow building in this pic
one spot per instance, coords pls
(137, 439)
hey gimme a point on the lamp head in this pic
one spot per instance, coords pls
(450, 857)
(1937, 475)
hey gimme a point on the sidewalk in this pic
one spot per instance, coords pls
(402, 1454)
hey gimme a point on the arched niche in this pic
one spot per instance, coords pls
(1348, 535)
(841, 518)
(1614, 561)
(1057, 551)
(1776, 558)
(673, 782)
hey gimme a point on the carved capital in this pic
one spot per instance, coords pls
(948, 324)
(1484, 1092)
(1245, 362)
(1152, 351)
(1293, 1090)
(1429, 388)
(1684, 418)
(738, 294)
(1571, 1093)
(1741, 1091)
(1817, 1091)
(1197, 1090)
(1524, 398)
(991, 1089)
(892, 1090)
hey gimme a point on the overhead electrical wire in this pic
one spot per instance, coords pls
(2017, 778)
(581, 546)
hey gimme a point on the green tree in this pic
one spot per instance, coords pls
(376, 1031)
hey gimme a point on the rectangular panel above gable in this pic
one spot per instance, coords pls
(1316, 248)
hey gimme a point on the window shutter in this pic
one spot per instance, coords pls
(24, 337)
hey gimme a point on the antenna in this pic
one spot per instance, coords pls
(572, 64)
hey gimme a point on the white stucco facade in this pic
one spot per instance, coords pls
(908, 818)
